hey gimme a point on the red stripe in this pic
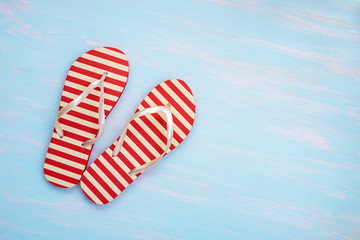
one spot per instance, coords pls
(86, 84)
(83, 116)
(102, 66)
(109, 175)
(115, 49)
(78, 126)
(97, 76)
(175, 119)
(64, 166)
(67, 156)
(90, 96)
(123, 158)
(121, 171)
(61, 176)
(70, 146)
(109, 57)
(101, 182)
(175, 104)
(75, 136)
(82, 104)
(133, 153)
(126, 161)
(94, 190)
(181, 95)
(157, 116)
(88, 196)
(184, 85)
(162, 122)
(149, 139)
(140, 145)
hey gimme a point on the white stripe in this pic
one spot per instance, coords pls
(121, 164)
(151, 132)
(91, 79)
(76, 131)
(173, 109)
(130, 158)
(62, 171)
(178, 100)
(81, 110)
(81, 121)
(95, 91)
(112, 53)
(106, 179)
(58, 181)
(68, 151)
(113, 171)
(86, 100)
(90, 193)
(65, 161)
(99, 71)
(70, 140)
(144, 141)
(183, 90)
(159, 126)
(82, 88)
(175, 127)
(98, 186)
(105, 62)
(136, 149)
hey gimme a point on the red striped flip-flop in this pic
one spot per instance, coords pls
(161, 122)
(93, 85)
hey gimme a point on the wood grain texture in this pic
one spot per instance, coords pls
(274, 151)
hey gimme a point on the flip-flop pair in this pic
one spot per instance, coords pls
(93, 85)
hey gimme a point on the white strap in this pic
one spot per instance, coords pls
(169, 123)
(77, 101)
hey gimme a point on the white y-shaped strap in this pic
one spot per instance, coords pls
(79, 99)
(169, 123)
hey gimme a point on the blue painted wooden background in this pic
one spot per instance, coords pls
(275, 149)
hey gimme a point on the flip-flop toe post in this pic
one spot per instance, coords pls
(92, 87)
(161, 122)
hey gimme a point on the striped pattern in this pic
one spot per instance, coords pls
(145, 140)
(66, 159)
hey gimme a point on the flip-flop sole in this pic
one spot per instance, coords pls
(66, 158)
(145, 140)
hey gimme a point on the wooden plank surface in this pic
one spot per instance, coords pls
(274, 152)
